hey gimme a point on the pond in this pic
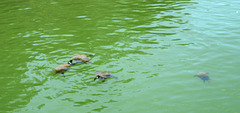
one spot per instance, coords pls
(154, 47)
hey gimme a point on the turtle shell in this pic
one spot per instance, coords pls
(62, 68)
(79, 58)
(103, 74)
(203, 75)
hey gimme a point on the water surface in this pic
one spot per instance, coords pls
(153, 47)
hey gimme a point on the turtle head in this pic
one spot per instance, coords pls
(70, 62)
(195, 75)
(90, 55)
(96, 77)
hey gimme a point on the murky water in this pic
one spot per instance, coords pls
(153, 47)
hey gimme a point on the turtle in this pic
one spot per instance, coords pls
(203, 75)
(63, 68)
(81, 58)
(103, 75)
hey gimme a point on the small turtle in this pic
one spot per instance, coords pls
(63, 68)
(81, 58)
(103, 75)
(203, 75)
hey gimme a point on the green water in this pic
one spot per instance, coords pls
(153, 47)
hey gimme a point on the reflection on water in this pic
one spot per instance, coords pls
(151, 46)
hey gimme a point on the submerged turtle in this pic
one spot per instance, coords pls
(203, 75)
(81, 58)
(103, 75)
(63, 68)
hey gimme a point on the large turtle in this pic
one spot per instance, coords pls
(63, 68)
(103, 75)
(81, 58)
(203, 75)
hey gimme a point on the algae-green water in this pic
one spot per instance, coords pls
(154, 47)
